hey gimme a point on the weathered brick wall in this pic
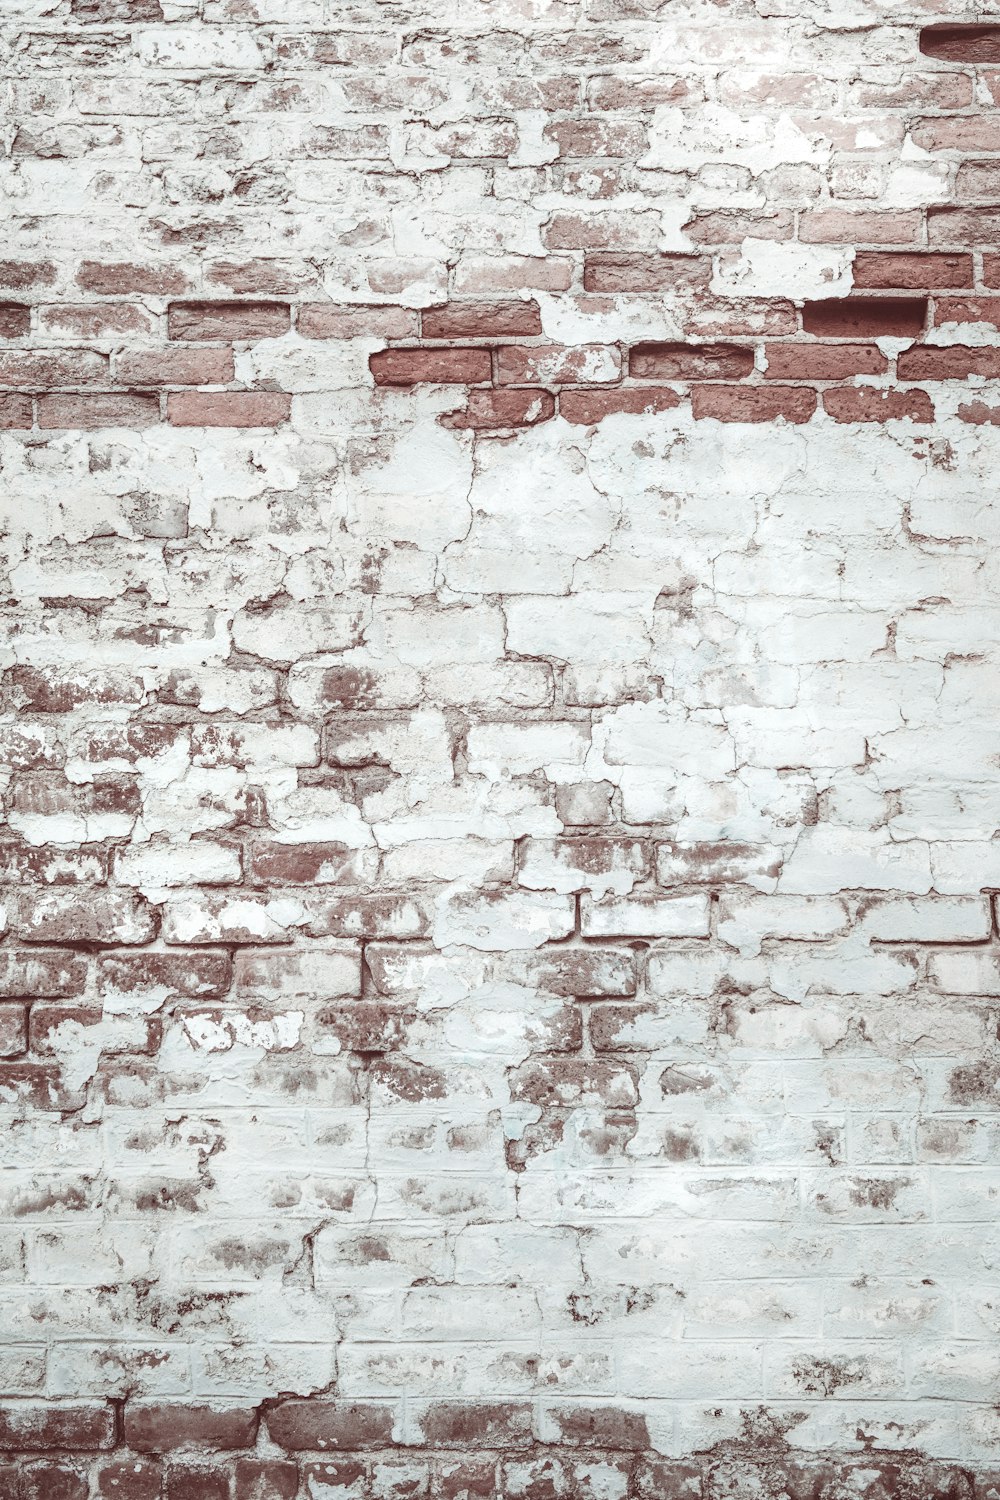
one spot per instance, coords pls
(500, 989)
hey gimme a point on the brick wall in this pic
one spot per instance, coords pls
(499, 984)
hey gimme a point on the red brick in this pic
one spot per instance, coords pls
(19, 275)
(236, 321)
(175, 367)
(228, 408)
(431, 366)
(485, 411)
(365, 1026)
(304, 864)
(961, 226)
(13, 1033)
(378, 915)
(467, 1478)
(966, 133)
(476, 1424)
(265, 277)
(966, 310)
(991, 270)
(726, 227)
(944, 90)
(48, 691)
(65, 916)
(663, 1479)
(514, 273)
(41, 369)
(554, 365)
(645, 273)
(88, 412)
(265, 1479)
(978, 182)
(969, 43)
(15, 412)
(864, 404)
(36, 1086)
(195, 1482)
(600, 1427)
(130, 1479)
(733, 403)
(979, 414)
(197, 974)
(43, 1426)
(602, 231)
(917, 270)
(823, 361)
(553, 1082)
(593, 137)
(677, 361)
(633, 92)
(586, 408)
(583, 971)
(95, 320)
(327, 1424)
(10, 1482)
(53, 1481)
(15, 320)
(41, 973)
(346, 1476)
(45, 864)
(865, 317)
(482, 320)
(328, 320)
(122, 278)
(712, 317)
(159, 1427)
(47, 1016)
(948, 362)
(824, 226)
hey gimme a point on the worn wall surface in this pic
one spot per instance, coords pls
(499, 718)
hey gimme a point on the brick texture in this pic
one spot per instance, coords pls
(499, 961)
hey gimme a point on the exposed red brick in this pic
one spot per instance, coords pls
(53, 1481)
(236, 321)
(957, 43)
(823, 361)
(948, 362)
(197, 973)
(35, 1425)
(514, 273)
(919, 270)
(734, 403)
(15, 320)
(485, 411)
(600, 1426)
(19, 275)
(565, 1081)
(969, 133)
(328, 320)
(130, 1479)
(553, 365)
(136, 409)
(98, 320)
(55, 367)
(589, 407)
(675, 361)
(645, 273)
(263, 277)
(122, 278)
(304, 864)
(265, 1479)
(991, 270)
(66, 916)
(727, 227)
(966, 310)
(375, 915)
(476, 1424)
(865, 404)
(482, 320)
(228, 408)
(433, 366)
(159, 1427)
(15, 412)
(962, 226)
(598, 137)
(865, 317)
(37, 972)
(979, 414)
(195, 1482)
(175, 367)
(822, 226)
(321, 1423)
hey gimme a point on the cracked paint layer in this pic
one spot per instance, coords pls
(499, 980)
